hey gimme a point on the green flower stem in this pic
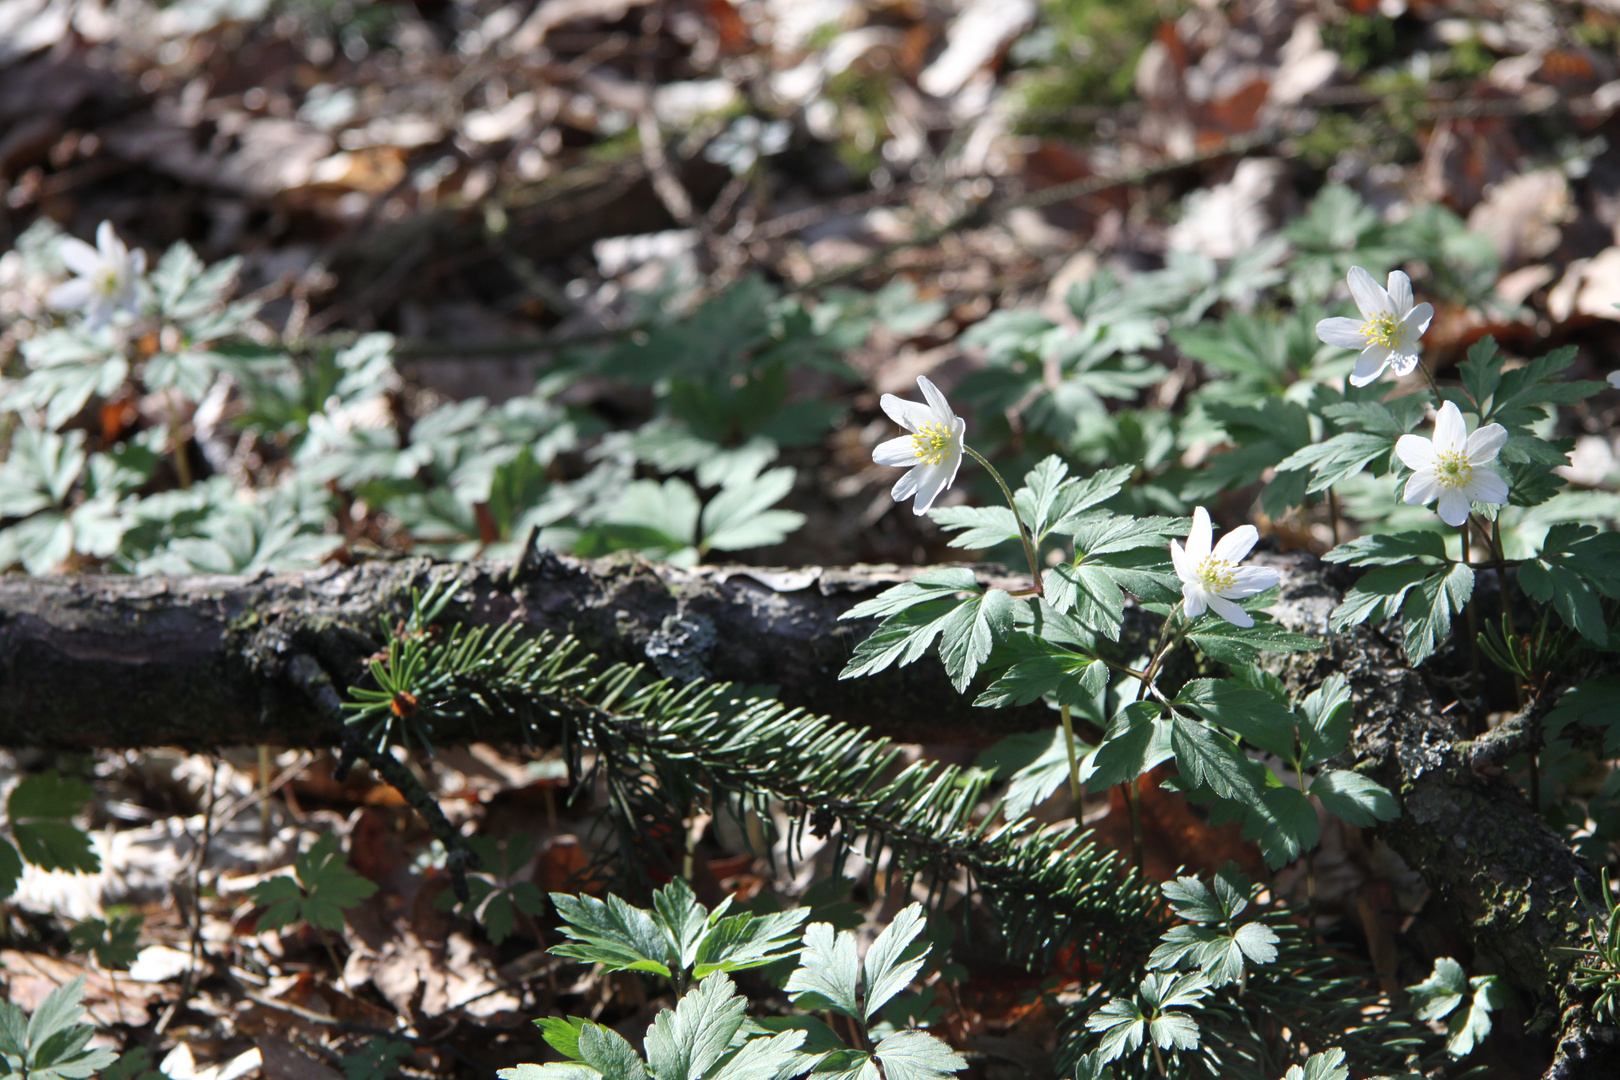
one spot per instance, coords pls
(1310, 864)
(1038, 589)
(1161, 648)
(1518, 682)
(1494, 535)
(1473, 625)
(1428, 377)
(1500, 559)
(182, 464)
(1023, 533)
(1124, 669)
(1074, 759)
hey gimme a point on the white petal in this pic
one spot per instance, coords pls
(1450, 430)
(1400, 292)
(1417, 320)
(1415, 452)
(905, 487)
(1487, 487)
(1454, 506)
(71, 294)
(1194, 599)
(1230, 611)
(1178, 557)
(1484, 444)
(1614, 379)
(1422, 488)
(955, 460)
(936, 401)
(112, 248)
(1404, 360)
(98, 313)
(910, 415)
(137, 262)
(1199, 539)
(1248, 580)
(934, 479)
(1235, 545)
(1370, 364)
(1370, 296)
(898, 453)
(78, 256)
(1345, 333)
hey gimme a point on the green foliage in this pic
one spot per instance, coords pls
(1161, 1015)
(1577, 568)
(1597, 962)
(377, 1060)
(39, 828)
(463, 479)
(1214, 768)
(1328, 1065)
(497, 893)
(318, 892)
(707, 1036)
(1222, 981)
(1468, 1002)
(678, 939)
(52, 1044)
(1089, 50)
(829, 977)
(1212, 940)
(111, 941)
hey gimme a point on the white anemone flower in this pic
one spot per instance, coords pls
(106, 277)
(932, 451)
(1451, 466)
(1212, 578)
(1388, 330)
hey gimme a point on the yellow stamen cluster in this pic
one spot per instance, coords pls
(1453, 469)
(932, 444)
(1216, 574)
(106, 281)
(1383, 330)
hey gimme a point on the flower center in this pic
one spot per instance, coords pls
(932, 444)
(1216, 575)
(1453, 469)
(106, 281)
(1382, 329)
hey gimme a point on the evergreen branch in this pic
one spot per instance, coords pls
(666, 749)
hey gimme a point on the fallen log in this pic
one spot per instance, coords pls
(118, 662)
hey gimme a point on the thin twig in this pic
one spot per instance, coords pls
(189, 983)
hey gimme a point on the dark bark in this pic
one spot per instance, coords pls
(119, 662)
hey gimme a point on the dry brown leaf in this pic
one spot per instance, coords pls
(1589, 287)
(1524, 215)
(30, 978)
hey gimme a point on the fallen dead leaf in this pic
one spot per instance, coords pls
(30, 978)
(1524, 215)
